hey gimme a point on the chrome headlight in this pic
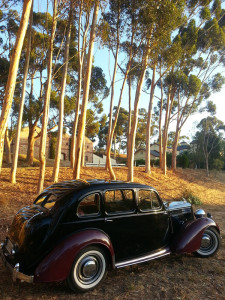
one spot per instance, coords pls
(200, 213)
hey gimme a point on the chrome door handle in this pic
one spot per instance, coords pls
(108, 220)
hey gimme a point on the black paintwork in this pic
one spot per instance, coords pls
(36, 230)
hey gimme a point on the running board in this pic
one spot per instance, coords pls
(142, 259)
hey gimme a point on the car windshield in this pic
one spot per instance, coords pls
(46, 200)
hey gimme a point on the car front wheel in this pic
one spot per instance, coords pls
(210, 243)
(89, 269)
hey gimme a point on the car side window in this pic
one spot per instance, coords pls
(119, 201)
(148, 200)
(145, 200)
(155, 200)
(89, 205)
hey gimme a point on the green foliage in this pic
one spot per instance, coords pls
(168, 159)
(92, 125)
(208, 144)
(140, 162)
(205, 13)
(183, 161)
(218, 164)
(191, 198)
(4, 67)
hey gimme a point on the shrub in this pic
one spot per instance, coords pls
(191, 198)
(183, 160)
(218, 164)
(140, 162)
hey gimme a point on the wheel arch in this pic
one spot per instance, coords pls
(188, 240)
(57, 264)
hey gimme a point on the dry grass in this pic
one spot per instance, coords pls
(174, 277)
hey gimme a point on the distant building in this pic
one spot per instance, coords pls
(154, 150)
(140, 154)
(65, 152)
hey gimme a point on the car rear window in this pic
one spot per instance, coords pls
(47, 201)
(119, 201)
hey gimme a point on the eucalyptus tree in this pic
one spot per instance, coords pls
(208, 137)
(20, 116)
(42, 149)
(164, 26)
(62, 93)
(111, 34)
(11, 82)
(84, 9)
(131, 11)
(199, 66)
(33, 106)
(86, 83)
(155, 23)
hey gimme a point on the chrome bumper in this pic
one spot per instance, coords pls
(16, 274)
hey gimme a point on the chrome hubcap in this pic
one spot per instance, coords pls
(206, 241)
(89, 267)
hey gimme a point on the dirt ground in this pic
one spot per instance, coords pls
(172, 277)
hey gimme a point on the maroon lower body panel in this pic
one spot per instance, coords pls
(57, 264)
(189, 238)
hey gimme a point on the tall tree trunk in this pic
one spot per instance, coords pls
(110, 138)
(20, 117)
(135, 119)
(112, 93)
(32, 127)
(83, 154)
(129, 115)
(30, 145)
(160, 119)
(42, 148)
(11, 82)
(148, 130)
(174, 151)
(114, 147)
(81, 52)
(81, 133)
(7, 147)
(170, 99)
(61, 100)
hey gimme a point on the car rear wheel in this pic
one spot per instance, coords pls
(88, 270)
(209, 244)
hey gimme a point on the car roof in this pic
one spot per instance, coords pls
(65, 187)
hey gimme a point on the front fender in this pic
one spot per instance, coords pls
(57, 264)
(189, 238)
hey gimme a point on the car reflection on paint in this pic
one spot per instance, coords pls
(76, 230)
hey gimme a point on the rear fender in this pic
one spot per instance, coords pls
(189, 238)
(57, 264)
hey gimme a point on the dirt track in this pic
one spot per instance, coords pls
(173, 277)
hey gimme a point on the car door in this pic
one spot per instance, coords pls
(120, 212)
(152, 222)
(86, 213)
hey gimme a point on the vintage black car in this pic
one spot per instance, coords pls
(76, 230)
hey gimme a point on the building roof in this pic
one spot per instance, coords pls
(183, 147)
(154, 153)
